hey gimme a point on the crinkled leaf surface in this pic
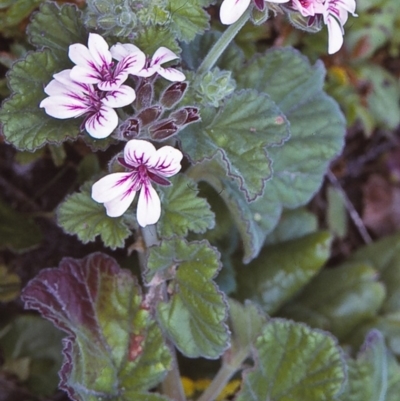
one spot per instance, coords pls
(384, 255)
(317, 130)
(294, 362)
(188, 18)
(154, 37)
(368, 374)
(281, 270)
(240, 131)
(194, 317)
(79, 214)
(183, 209)
(57, 28)
(39, 342)
(24, 124)
(339, 299)
(17, 232)
(113, 345)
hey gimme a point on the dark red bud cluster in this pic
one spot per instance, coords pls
(173, 94)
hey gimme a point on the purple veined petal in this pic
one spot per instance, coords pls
(120, 97)
(171, 74)
(98, 48)
(56, 88)
(85, 75)
(162, 55)
(72, 87)
(63, 107)
(147, 72)
(232, 10)
(80, 55)
(111, 186)
(121, 50)
(138, 152)
(348, 5)
(166, 161)
(149, 206)
(119, 205)
(132, 63)
(113, 82)
(102, 123)
(335, 35)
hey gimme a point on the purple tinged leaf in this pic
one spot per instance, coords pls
(111, 335)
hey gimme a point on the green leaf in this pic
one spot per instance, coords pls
(384, 255)
(294, 362)
(18, 10)
(195, 314)
(368, 374)
(339, 299)
(336, 214)
(188, 19)
(281, 270)
(33, 339)
(153, 37)
(57, 28)
(317, 131)
(293, 224)
(114, 346)
(17, 232)
(239, 132)
(79, 214)
(183, 209)
(10, 285)
(24, 124)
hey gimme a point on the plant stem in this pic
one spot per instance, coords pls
(172, 385)
(222, 43)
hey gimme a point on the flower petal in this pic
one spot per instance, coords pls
(121, 50)
(335, 32)
(171, 74)
(149, 206)
(166, 161)
(147, 72)
(111, 186)
(63, 106)
(138, 152)
(62, 84)
(232, 10)
(98, 48)
(85, 75)
(132, 63)
(162, 55)
(80, 55)
(119, 205)
(120, 97)
(102, 123)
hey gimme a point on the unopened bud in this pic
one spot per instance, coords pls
(150, 114)
(163, 129)
(173, 94)
(260, 4)
(185, 116)
(144, 95)
(130, 128)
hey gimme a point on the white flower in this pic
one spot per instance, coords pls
(145, 165)
(68, 98)
(161, 56)
(232, 10)
(94, 64)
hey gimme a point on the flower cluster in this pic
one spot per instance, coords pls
(93, 88)
(145, 165)
(334, 14)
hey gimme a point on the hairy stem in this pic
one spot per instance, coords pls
(222, 43)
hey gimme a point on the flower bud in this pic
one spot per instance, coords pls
(163, 129)
(130, 129)
(173, 94)
(149, 115)
(185, 116)
(144, 95)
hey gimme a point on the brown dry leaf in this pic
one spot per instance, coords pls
(381, 212)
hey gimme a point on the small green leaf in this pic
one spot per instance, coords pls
(10, 285)
(17, 232)
(183, 209)
(57, 28)
(24, 124)
(294, 362)
(339, 299)
(239, 132)
(384, 255)
(368, 374)
(195, 314)
(153, 37)
(280, 271)
(79, 214)
(188, 19)
(114, 346)
(336, 214)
